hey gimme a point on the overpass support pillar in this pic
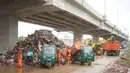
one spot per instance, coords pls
(8, 33)
(78, 35)
(95, 38)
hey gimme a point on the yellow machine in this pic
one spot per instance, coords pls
(99, 48)
(102, 42)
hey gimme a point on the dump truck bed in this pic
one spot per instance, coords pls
(112, 45)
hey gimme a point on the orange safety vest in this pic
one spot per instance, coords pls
(69, 52)
(58, 56)
(78, 45)
(64, 52)
(69, 55)
(20, 58)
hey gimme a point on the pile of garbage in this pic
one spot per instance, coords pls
(117, 67)
(33, 43)
(120, 66)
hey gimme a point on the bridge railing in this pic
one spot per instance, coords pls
(89, 8)
(98, 15)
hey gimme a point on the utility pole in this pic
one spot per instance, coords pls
(104, 17)
(104, 7)
(118, 17)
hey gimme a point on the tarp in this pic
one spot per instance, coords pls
(30, 54)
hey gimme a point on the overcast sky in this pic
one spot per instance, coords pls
(114, 9)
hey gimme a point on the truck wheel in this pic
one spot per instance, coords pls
(107, 53)
(89, 62)
(103, 51)
(117, 53)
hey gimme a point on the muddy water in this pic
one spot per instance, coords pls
(15, 70)
(57, 69)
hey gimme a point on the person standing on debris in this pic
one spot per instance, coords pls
(20, 57)
(69, 55)
(58, 56)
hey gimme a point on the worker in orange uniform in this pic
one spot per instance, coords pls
(20, 57)
(69, 55)
(20, 70)
(58, 57)
(64, 52)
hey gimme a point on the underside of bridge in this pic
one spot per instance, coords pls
(38, 12)
(61, 20)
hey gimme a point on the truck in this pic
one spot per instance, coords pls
(112, 48)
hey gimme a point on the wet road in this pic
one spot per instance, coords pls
(97, 67)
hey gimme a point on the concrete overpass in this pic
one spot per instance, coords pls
(72, 15)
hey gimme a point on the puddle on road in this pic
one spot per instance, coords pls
(15, 70)
(57, 69)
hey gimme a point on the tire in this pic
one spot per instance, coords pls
(107, 53)
(53, 65)
(48, 65)
(82, 63)
(117, 53)
(103, 51)
(89, 62)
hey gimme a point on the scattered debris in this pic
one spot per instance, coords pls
(119, 66)
(33, 43)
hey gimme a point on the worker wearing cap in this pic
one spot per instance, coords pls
(58, 57)
(69, 55)
(20, 57)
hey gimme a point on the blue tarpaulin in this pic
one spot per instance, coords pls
(30, 54)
